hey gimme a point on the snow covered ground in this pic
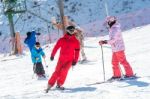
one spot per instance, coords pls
(16, 80)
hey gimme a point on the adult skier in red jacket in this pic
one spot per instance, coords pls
(69, 53)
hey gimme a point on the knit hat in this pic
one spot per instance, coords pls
(28, 34)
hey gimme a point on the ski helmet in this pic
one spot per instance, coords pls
(70, 29)
(111, 19)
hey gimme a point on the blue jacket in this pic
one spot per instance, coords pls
(31, 40)
(37, 53)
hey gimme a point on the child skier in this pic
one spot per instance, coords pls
(69, 53)
(36, 54)
(118, 48)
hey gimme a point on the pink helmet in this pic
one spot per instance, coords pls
(111, 18)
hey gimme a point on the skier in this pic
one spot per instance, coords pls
(69, 53)
(118, 49)
(78, 33)
(36, 54)
(31, 39)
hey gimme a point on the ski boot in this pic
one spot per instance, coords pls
(113, 78)
(130, 77)
(60, 87)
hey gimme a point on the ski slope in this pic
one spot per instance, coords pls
(16, 80)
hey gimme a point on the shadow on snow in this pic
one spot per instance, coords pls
(79, 89)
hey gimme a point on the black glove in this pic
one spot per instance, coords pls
(51, 58)
(38, 33)
(103, 42)
(74, 63)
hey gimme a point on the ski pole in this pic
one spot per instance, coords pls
(34, 70)
(45, 63)
(46, 67)
(103, 62)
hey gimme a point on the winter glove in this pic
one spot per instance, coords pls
(74, 63)
(38, 33)
(36, 58)
(51, 58)
(103, 42)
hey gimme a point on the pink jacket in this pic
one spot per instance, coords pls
(115, 38)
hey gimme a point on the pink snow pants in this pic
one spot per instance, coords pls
(120, 58)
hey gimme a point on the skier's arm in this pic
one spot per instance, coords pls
(42, 53)
(77, 50)
(26, 41)
(33, 34)
(56, 47)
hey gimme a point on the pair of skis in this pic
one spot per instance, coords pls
(134, 77)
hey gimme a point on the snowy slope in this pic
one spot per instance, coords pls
(16, 75)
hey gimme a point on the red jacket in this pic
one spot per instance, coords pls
(69, 48)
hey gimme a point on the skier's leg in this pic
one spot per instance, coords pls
(34, 67)
(82, 50)
(116, 68)
(40, 70)
(63, 73)
(122, 59)
(55, 74)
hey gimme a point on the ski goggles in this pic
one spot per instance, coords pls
(71, 31)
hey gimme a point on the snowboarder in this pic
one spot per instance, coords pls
(31, 39)
(36, 54)
(118, 49)
(69, 53)
(78, 33)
